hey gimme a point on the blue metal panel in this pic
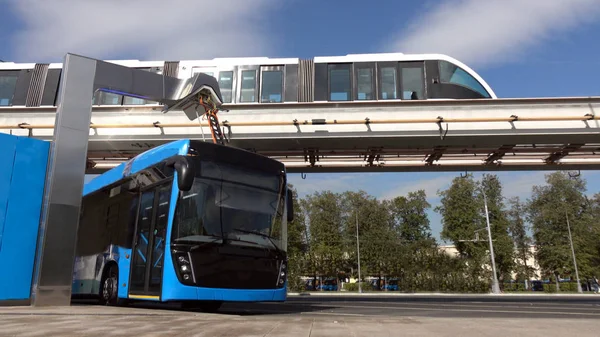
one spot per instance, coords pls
(143, 160)
(169, 277)
(124, 262)
(8, 145)
(173, 290)
(168, 272)
(23, 218)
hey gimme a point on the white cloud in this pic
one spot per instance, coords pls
(145, 29)
(431, 185)
(482, 32)
(520, 184)
(318, 182)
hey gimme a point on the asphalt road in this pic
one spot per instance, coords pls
(430, 306)
(312, 316)
(554, 307)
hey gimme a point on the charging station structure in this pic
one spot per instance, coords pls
(48, 208)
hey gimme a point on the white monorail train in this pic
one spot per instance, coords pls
(263, 80)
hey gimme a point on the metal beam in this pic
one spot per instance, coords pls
(436, 155)
(498, 154)
(174, 93)
(563, 152)
(81, 77)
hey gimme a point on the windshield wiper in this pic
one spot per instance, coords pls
(261, 234)
(198, 244)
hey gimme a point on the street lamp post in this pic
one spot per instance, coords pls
(495, 285)
(579, 290)
(358, 253)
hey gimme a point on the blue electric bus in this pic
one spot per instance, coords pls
(188, 221)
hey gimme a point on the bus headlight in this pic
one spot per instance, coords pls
(281, 278)
(185, 267)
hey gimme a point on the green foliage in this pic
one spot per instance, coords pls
(463, 226)
(555, 207)
(395, 237)
(352, 287)
(412, 223)
(518, 231)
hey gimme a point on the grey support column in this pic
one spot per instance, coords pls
(64, 185)
(81, 77)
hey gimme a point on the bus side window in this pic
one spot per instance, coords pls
(132, 216)
(112, 223)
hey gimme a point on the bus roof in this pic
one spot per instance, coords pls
(139, 162)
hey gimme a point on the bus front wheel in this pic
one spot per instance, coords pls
(109, 288)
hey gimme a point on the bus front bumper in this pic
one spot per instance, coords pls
(181, 292)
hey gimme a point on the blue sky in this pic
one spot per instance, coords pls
(521, 48)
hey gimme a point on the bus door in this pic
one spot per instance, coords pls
(149, 245)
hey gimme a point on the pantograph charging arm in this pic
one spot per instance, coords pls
(211, 110)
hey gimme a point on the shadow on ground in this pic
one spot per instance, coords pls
(228, 308)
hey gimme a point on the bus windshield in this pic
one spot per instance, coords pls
(231, 203)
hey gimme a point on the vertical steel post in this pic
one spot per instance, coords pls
(495, 285)
(52, 279)
(579, 290)
(358, 253)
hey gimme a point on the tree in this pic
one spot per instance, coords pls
(374, 230)
(460, 215)
(549, 207)
(324, 214)
(297, 244)
(461, 219)
(416, 245)
(410, 215)
(518, 231)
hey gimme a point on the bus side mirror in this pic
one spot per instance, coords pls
(185, 172)
(290, 206)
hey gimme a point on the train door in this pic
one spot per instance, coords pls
(149, 244)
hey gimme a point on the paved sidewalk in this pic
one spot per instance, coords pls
(104, 321)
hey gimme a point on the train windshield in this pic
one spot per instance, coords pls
(451, 73)
(232, 204)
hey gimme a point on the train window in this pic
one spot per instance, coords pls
(248, 86)
(106, 98)
(364, 83)
(8, 83)
(413, 82)
(203, 70)
(272, 85)
(451, 73)
(388, 83)
(339, 82)
(226, 85)
(127, 100)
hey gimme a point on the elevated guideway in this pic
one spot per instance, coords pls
(439, 135)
